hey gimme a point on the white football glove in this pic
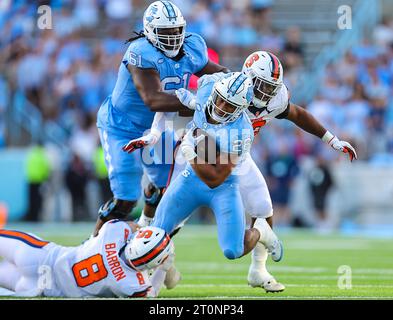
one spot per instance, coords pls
(339, 145)
(186, 97)
(188, 145)
(167, 264)
(138, 143)
(212, 77)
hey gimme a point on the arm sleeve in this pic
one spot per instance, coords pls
(115, 231)
(282, 103)
(158, 125)
(284, 114)
(199, 51)
(139, 56)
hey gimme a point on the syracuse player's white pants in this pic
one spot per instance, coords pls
(22, 254)
(253, 188)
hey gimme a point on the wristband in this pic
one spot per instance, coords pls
(188, 152)
(328, 137)
(192, 104)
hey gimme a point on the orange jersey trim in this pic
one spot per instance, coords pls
(24, 237)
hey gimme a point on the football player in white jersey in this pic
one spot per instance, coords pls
(115, 263)
(271, 100)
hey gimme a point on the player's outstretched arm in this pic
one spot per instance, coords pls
(148, 84)
(306, 121)
(157, 128)
(158, 276)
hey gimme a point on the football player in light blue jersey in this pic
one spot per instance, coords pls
(220, 116)
(158, 61)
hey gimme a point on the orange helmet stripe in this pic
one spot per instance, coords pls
(153, 253)
(276, 66)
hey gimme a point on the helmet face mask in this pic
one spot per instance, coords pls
(170, 39)
(264, 91)
(221, 110)
(230, 97)
(164, 26)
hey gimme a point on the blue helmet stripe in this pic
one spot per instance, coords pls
(236, 84)
(169, 8)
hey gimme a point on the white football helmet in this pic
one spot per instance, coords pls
(235, 90)
(161, 15)
(149, 248)
(266, 73)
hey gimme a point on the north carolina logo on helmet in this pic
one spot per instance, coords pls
(159, 18)
(236, 90)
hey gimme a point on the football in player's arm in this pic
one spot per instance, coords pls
(220, 112)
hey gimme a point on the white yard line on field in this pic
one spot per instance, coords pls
(279, 296)
(202, 266)
(210, 285)
(297, 277)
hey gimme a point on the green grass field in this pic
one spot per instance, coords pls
(309, 268)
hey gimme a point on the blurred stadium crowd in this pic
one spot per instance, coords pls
(68, 71)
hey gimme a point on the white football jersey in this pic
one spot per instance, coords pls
(95, 268)
(277, 105)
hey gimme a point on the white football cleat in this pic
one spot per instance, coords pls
(273, 286)
(172, 278)
(256, 279)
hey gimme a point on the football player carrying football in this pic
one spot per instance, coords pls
(220, 114)
(271, 100)
(115, 263)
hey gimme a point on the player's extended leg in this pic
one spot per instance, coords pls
(228, 210)
(177, 204)
(125, 175)
(9, 275)
(257, 203)
(24, 252)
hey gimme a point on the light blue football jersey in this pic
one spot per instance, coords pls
(234, 137)
(126, 112)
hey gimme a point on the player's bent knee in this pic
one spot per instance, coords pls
(233, 253)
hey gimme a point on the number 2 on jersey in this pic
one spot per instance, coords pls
(90, 270)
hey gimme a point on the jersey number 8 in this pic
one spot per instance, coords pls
(90, 270)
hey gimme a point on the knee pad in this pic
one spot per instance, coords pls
(155, 197)
(116, 209)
